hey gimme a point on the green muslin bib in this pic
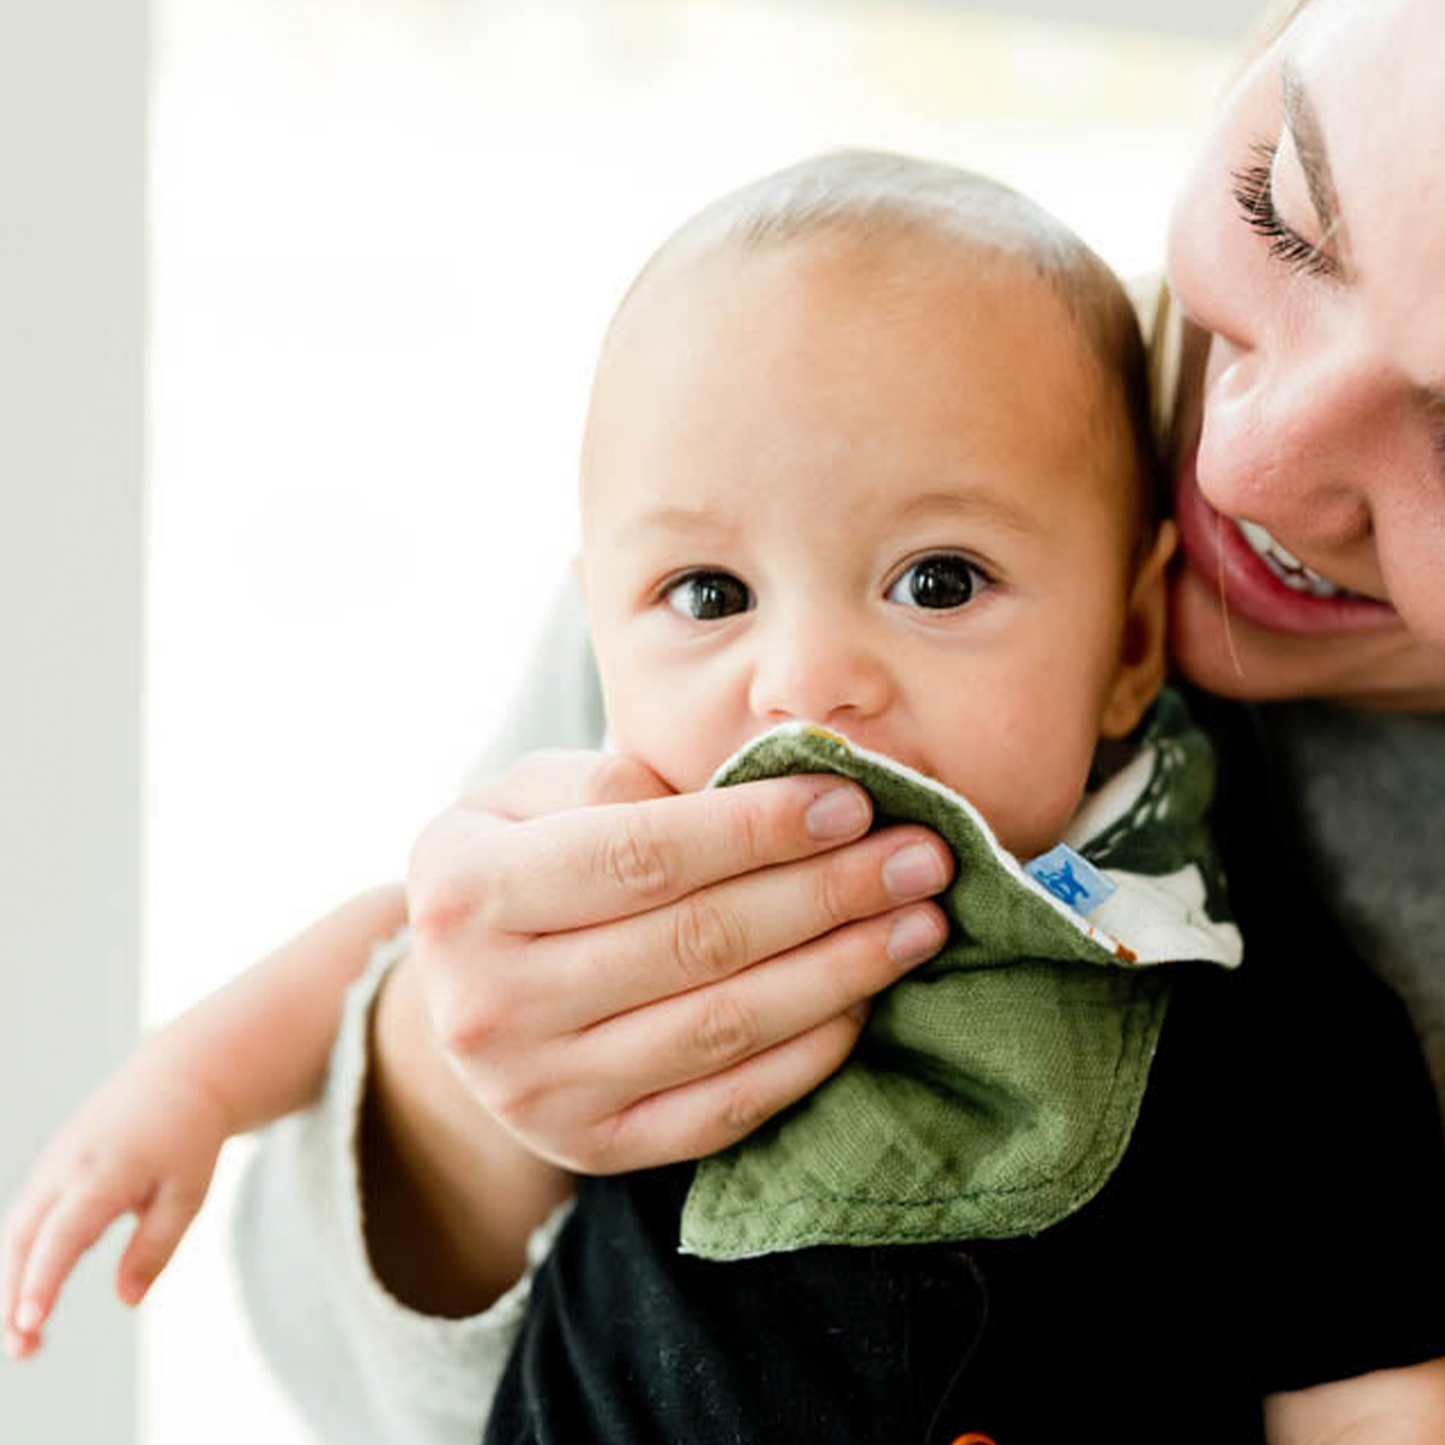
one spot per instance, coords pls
(995, 1088)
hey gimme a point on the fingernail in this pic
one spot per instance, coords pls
(914, 872)
(841, 812)
(913, 938)
(28, 1317)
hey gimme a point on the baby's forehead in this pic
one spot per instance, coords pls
(827, 277)
(932, 266)
(908, 313)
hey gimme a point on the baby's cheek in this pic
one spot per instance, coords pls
(1049, 781)
(675, 748)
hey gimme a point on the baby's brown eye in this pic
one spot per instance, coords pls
(708, 596)
(939, 582)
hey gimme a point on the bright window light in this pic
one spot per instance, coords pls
(386, 239)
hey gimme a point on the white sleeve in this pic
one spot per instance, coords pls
(363, 1368)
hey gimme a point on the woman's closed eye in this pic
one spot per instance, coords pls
(709, 596)
(940, 581)
(1253, 187)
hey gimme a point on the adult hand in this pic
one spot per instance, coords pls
(625, 977)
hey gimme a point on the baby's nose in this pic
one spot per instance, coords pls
(818, 672)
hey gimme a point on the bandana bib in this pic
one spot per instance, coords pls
(995, 1088)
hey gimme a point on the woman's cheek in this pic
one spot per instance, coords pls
(1410, 552)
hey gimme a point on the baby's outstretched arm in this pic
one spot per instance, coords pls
(1385, 1407)
(146, 1141)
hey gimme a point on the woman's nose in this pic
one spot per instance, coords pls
(1287, 440)
(821, 673)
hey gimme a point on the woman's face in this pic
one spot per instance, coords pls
(1309, 243)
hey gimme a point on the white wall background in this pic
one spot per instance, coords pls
(384, 238)
(72, 159)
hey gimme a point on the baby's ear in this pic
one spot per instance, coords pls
(1142, 662)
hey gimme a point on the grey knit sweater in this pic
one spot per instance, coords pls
(1369, 793)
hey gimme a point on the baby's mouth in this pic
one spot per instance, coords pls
(1286, 566)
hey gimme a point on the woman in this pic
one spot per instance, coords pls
(1309, 441)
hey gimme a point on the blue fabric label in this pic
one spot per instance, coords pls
(1071, 878)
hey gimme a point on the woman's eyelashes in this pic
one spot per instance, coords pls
(705, 596)
(1253, 188)
(941, 581)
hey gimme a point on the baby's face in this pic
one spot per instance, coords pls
(883, 488)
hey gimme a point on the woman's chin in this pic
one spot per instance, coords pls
(1228, 654)
(1222, 653)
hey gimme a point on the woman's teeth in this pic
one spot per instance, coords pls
(1286, 566)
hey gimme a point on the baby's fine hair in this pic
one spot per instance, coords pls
(875, 195)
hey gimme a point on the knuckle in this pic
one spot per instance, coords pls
(472, 1025)
(705, 940)
(92, 1157)
(860, 961)
(459, 874)
(439, 899)
(515, 1103)
(622, 1141)
(725, 1031)
(638, 860)
(754, 826)
(741, 1109)
(489, 902)
(834, 895)
(88, 1166)
(594, 1154)
(617, 779)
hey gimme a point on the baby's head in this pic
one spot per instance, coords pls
(869, 446)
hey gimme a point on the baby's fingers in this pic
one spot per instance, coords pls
(75, 1220)
(162, 1223)
(22, 1223)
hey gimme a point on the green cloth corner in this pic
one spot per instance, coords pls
(995, 1088)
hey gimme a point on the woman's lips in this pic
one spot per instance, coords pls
(1228, 567)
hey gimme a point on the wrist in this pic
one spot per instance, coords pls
(169, 1061)
(449, 1198)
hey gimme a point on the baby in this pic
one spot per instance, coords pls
(869, 449)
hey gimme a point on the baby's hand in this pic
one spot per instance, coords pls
(145, 1143)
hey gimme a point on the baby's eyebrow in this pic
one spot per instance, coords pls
(971, 504)
(671, 517)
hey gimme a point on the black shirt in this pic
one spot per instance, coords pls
(1278, 1221)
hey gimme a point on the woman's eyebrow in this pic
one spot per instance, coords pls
(1309, 144)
